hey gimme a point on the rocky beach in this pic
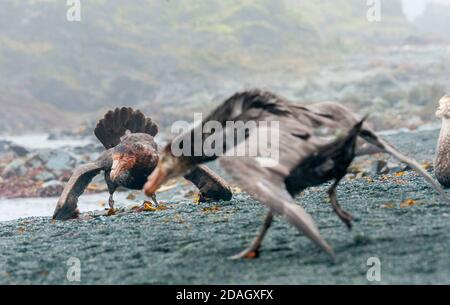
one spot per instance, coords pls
(399, 219)
(174, 59)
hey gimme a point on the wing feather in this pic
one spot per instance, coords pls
(66, 207)
(265, 181)
(210, 185)
(270, 190)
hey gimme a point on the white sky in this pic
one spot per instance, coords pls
(413, 8)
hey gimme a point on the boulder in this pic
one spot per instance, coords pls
(51, 189)
(9, 147)
(15, 168)
(378, 167)
(18, 150)
(33, 161)
(44, 176)
(396, 167)
(92, 148)
(4, 146)
(55, 160)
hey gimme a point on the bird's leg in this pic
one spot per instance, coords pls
(345, 216)
(111, 201)
(111, 189)
(253, 250)
(155, 201)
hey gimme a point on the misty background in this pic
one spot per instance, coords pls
(173, 57)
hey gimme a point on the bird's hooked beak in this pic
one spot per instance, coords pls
(116, 169)
(155, 180)
(120, 164)
(168, 167)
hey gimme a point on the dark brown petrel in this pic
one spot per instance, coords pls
(315, 144)
(130, 157)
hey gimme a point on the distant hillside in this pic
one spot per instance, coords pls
(172, 56)
(20, 113)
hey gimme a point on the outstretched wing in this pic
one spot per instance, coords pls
(284, 136)
(263, 176)
(270, 190)
(66, 207)
(210, 185)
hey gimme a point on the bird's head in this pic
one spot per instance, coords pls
(123, 161)
(136, 152)
(169, 167)
(443, 111)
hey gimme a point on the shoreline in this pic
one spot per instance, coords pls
(399, 219)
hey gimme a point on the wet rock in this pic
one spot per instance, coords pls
(378, 167)
(4, 146)
(34, 161)
(51, 189)
(45, 176)
(18, 150)
(57, 161)
(9, 147)
(101, 213)
(396, 167)
(15, 168)
(86, 156)
(52, 136)
(88, 149)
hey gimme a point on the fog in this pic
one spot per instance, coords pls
(173, 58)
(64, 66)
(414, 8)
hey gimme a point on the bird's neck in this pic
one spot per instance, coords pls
(443, 147)
(445, 131)
(442, 161)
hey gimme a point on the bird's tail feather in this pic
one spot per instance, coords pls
(116, 122)
(372, 138)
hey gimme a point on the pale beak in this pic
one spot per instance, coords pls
(116, 169)
(155, 180)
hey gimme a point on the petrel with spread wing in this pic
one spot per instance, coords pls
(131, 155)
(315, 143)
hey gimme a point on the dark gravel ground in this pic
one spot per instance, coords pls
(190, 244)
